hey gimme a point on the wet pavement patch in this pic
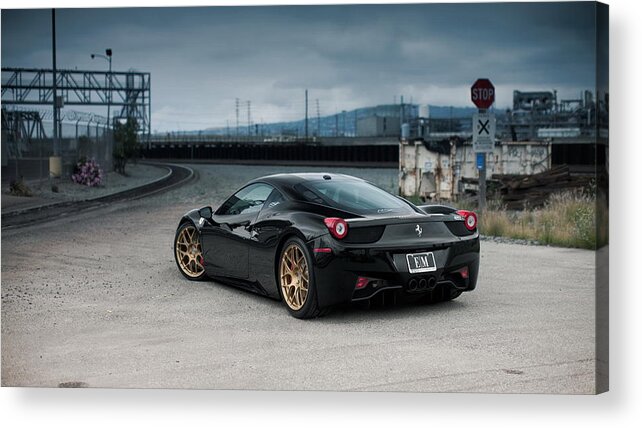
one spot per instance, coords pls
(73, 384)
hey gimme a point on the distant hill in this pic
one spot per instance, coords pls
(343, 123)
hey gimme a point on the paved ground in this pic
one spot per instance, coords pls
(98, 299)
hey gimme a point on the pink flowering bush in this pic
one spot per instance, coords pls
(88, 173)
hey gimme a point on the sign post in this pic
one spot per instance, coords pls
(482, 94)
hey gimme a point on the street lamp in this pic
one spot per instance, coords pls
(107, 57)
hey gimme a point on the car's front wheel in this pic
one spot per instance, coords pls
(188, 252)
(296, 280)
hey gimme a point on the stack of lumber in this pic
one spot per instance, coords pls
(519, 191)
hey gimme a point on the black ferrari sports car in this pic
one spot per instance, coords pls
(316, 240)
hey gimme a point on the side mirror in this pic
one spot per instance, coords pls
(205, 212)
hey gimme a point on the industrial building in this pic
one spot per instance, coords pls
(436, 160)
(379, 126)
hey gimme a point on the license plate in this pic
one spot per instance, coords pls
(421, 262)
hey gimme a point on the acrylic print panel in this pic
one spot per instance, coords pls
(342, 198)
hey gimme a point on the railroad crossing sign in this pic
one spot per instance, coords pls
(483, 132)
(482, 93)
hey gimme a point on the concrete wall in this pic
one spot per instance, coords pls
(438, 176)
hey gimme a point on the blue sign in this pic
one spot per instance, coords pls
(481, 160)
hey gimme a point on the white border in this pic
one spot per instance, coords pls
(619, 407)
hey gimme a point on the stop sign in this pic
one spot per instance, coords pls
(482, 93)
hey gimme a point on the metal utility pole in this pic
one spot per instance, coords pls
(318, 119)
(237, 117)
(306, 113)
(249, 118)
(107, 57)
(108, 52)
(482, 176)
(56, 113)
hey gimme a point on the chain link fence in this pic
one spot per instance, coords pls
(27, 143)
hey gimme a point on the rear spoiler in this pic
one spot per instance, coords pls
(437, 209)
(404, 219)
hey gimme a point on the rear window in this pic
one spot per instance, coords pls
(358, 197)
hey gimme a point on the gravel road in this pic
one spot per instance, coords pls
(96, 298)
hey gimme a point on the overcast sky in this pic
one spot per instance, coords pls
(201, 59)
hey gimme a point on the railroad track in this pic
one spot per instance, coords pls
(177, 175)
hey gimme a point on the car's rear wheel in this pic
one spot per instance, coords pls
(296, 280)
(188, 252)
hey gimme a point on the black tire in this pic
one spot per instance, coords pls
(310, 307)
(188, 266)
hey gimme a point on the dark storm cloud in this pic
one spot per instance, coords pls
(201, 59)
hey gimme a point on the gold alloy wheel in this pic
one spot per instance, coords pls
(189, 252)
(294, 277)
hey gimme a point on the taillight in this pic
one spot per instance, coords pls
(463, 272)
(470, 219)
(361, 283)
(337, 227)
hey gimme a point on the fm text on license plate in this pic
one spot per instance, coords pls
(421, 262)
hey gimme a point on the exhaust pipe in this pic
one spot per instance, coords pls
(432, 282)
(422, 284)
(412, 285)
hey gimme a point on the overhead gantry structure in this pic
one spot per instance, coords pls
(128, 90)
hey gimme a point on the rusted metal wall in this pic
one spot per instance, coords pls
(438, 176)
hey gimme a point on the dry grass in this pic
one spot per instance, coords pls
(567, 220)
(19, 188)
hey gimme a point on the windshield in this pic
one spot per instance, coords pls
(358, 197)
